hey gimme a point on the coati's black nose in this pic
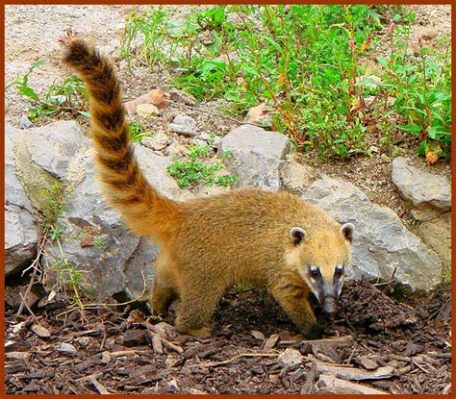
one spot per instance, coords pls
(330, 305)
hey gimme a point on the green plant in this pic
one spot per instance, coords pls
(137, 131)
(420, 86)
(307, 62)
(67, 276)
(53, 197)
(196, 168)
(68, 96)
(99, 243)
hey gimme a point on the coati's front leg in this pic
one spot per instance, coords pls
(292, 297)
(197, 304)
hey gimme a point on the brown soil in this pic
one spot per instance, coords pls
(113, 350)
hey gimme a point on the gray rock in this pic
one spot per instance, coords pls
(157, 142)
(53, 146)
(381, 242)
(21, 229)
(255, 156)
(94, 239)
(421, 187)
(296, 176)
(24, 122)
(183, 124)
(436, 233)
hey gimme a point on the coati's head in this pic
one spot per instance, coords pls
(322, 256)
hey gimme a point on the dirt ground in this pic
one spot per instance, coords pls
(406, 344)
(119, 350)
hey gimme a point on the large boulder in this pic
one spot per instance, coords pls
(94, 239)
(21, 227)
(93, 244)
(255, 155)
(382, 245)
(420, 187)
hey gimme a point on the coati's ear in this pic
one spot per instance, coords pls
(347, 230)
(297, 235)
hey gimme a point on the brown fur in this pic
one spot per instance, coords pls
(207, 244)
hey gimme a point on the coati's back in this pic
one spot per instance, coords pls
(244, 233)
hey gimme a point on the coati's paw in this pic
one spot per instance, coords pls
(203, 332)
(315, 332)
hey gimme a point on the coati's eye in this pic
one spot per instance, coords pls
(314, 272)
(339, 271)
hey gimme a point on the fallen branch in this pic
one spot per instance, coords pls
(331, 384)
(355, 374)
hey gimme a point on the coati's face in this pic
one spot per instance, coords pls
(323, 256)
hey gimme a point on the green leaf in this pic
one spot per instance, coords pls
(411, 128)
(29, 92)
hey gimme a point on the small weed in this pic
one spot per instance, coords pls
(66, 275)
(196, 169)
(99, 243)
(53, 197)
(137, 131)
(68, 96)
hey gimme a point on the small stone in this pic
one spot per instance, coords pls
(66, 348)
(40, 331)
(147, 110)
(261, 115)
(135, 338)
(207, 37)
(258, 335)
(157, 98)
(157, 142)
(367, 363)
(25, 123)
(290, 357)
(183, 124)
(105, 357)
(173, 385)
(412, 349)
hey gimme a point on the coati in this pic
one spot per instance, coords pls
(246, 236)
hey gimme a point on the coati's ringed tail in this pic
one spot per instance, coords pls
(144, 210)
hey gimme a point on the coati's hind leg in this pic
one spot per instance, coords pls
(197, 304)
(293, 300)
(164, 290)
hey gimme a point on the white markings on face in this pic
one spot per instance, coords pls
(339, 271)
(314, 272)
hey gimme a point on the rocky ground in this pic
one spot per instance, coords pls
(400, 206)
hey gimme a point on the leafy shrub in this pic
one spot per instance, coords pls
(306, 61)
(195, 169)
